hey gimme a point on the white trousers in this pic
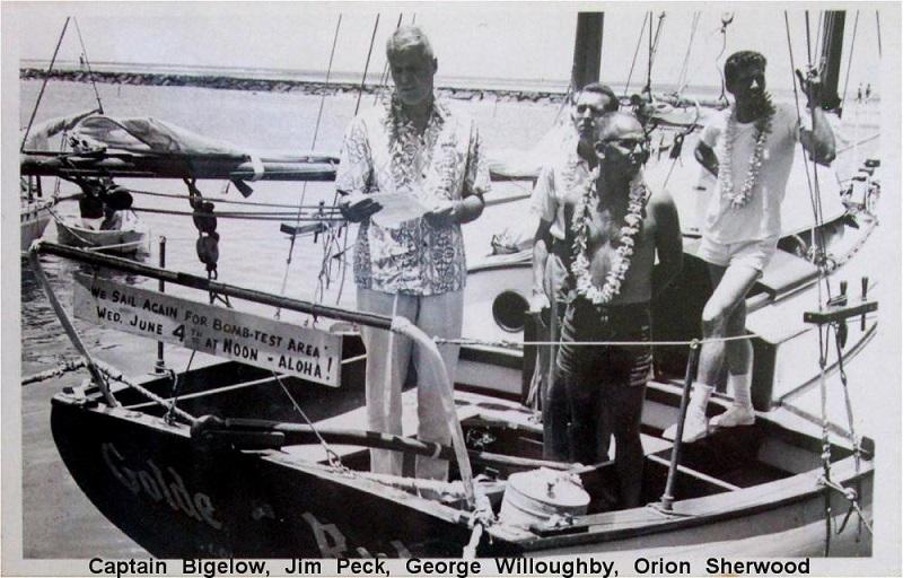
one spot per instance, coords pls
(388, 356)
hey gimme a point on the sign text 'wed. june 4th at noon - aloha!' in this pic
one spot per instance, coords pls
(286, 348)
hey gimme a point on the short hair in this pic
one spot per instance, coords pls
(740, 60)
(599, 88)
(408, 36)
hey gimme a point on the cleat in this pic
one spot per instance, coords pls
(735, 416)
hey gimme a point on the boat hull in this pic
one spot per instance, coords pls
(33, 220)
(120, 242)
(179, 499)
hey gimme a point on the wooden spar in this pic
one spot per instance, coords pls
(202, 283)
(256, 433)
(177, 166)
(588, 49)
(96, 374)
(831, 59)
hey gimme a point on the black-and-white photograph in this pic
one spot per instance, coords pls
(451, 289)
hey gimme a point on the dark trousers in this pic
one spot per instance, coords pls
(603, 387)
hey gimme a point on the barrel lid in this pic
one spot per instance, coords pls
(550, 487)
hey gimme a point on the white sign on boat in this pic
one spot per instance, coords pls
(285, 348)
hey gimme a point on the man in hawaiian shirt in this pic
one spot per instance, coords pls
(414, 148)
(562, 182)
(749, 148)
(618, 230)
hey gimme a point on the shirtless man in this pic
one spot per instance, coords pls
(562, 182)
(618, 230)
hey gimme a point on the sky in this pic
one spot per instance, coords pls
(509, 40)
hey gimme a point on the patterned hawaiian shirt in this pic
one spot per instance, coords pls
(382, 153)
(563, 180)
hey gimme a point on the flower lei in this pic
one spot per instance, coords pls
(763, 127)
(405, 142)
(580, 266)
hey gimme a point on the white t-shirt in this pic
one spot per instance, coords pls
(760, 218)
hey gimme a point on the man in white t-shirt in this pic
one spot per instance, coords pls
(750, 149)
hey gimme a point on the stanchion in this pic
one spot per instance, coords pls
(668, 498)
(160, 365)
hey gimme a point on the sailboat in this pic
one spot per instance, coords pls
(34, 215)
(213, 462)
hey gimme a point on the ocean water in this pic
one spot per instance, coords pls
(58, 522)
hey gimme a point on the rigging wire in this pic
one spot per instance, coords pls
(384, 78)
(646, 87)
(636, 52)
(804, 152)
(100, 106)
(654, 49)
(370, 50)
(683, 74)
(34, 111)
(878, 34)
(304, 188)
(727, 18)
(223, 201)
(823, 331)
(847, 75)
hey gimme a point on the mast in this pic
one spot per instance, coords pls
(588, 49)
(830, 61)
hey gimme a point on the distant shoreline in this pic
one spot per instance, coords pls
(283, 85)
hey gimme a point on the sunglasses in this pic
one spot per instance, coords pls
(630, 144)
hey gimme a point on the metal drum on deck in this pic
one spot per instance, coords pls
(537, 496)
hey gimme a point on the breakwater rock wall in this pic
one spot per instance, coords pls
(276, 85)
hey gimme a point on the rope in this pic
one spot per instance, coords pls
(116, 375)
(65, 367)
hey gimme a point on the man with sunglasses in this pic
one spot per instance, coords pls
(562, 181)
(750, 149)
(626, 247)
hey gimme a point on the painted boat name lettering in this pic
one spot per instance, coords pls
(155, 485)
(332, 543)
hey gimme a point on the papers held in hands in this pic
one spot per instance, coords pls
(396, 208)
